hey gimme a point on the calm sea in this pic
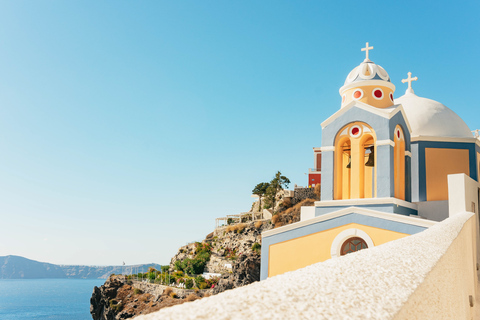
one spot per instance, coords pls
(62, 299)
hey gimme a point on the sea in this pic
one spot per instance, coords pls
(56, 299)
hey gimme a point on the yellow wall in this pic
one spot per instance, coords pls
(440, 163)
(368, 98)
(303, 251)
(399, 165)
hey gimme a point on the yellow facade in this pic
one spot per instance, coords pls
(399, 163)
(440, 163)
(303, 251)
(354, 179)
(368, 96)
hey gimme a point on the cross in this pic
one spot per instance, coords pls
(366, 50)
(409, 80)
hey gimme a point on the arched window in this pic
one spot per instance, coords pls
(399, 163)
(352, 245)
(344, 160)
(355, 162)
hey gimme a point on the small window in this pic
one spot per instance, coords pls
(352, 245)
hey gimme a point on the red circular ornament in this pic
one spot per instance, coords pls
(378, 93)
(357, 94)
(355, 131)
(398, 134)
(391, 96)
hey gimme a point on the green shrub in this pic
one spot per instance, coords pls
(189, 283)
(137, 291)
(165, 268)
(115, 305)
(178, 265)
(256, 247)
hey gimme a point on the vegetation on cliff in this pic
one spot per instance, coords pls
(120, 299)
(270, 190)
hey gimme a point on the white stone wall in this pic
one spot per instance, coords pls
(396, 280)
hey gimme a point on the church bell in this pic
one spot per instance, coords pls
(371, 158)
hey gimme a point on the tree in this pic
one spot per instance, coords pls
(277, 184)
(260, 190)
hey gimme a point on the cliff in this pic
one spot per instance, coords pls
(235, 254)
(16, 267)
(123, 299)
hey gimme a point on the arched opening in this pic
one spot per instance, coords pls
(352, 245)
(368, 146)
(355, 162)
(343, 168)
(399, 163)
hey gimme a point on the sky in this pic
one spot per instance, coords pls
(127, 127)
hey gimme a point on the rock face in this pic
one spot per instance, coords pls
(245, 271)
(233, 254)
(117, 299)
(100, 308)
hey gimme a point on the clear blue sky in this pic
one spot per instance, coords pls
(127, 127)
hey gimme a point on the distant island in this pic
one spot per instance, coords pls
(16, 267)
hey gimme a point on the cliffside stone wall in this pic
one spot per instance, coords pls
(302, 194)
(158, 289)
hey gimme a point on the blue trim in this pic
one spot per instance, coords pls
(326, 184)
(408, 179)
(329, 224)
(385, 171)
(477, 149)
(378, 123)
(376, 77)
(398, 119)
(386, 207)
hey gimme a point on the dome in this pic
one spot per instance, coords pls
(431, 118)
(367, 70)
(367, 73)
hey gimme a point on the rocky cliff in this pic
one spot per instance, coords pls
(122, 299)
(235, 254)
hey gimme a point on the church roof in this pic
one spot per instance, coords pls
(431, 118)
(367, 70)
(367, 73)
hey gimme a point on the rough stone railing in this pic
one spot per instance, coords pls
(158, 289)
(429, 275)
(237, 218)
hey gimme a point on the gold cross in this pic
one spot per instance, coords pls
(409, 80)
(366, 50)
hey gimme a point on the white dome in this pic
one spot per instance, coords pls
(431, 118)
(367, 70)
